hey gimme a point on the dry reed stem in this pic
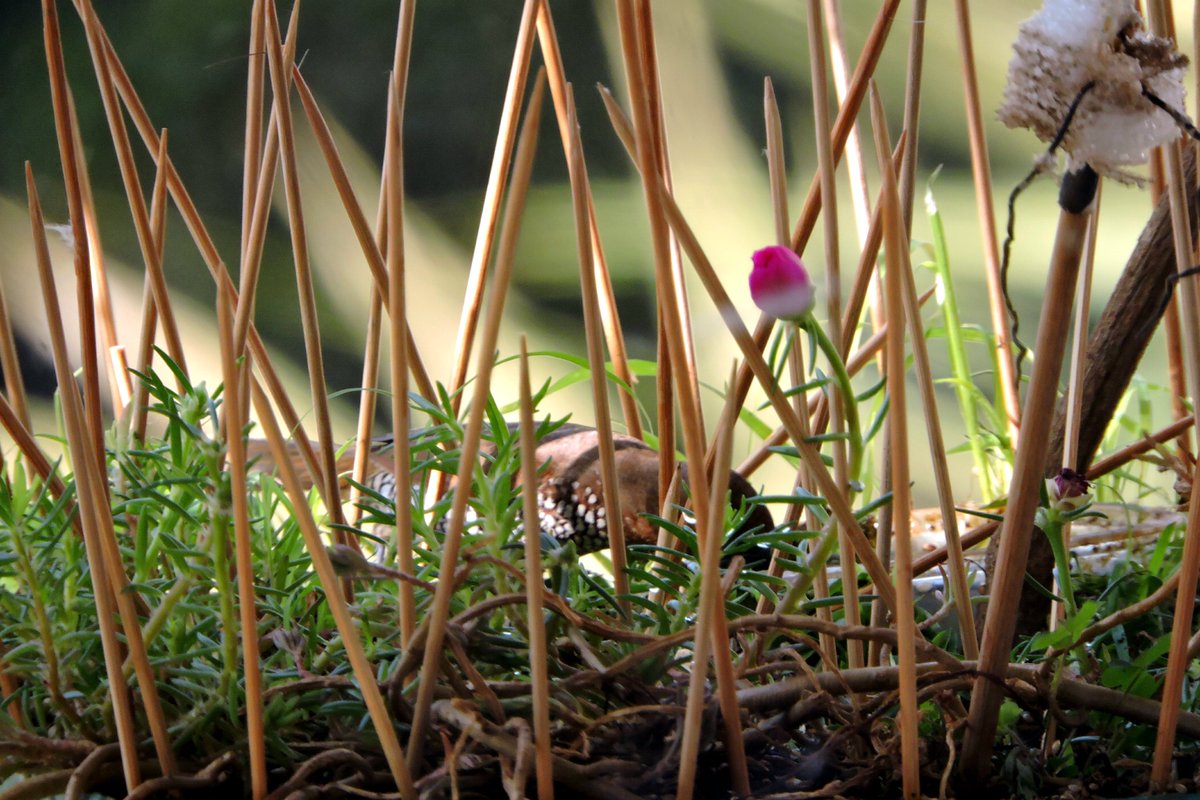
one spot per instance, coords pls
(855, 166)
(668, 509)
(399, 351)
(778, 181)
(252, 149)
(1074, 399)
(1189, 568)
(776, 170)
(777, 175)
(539, 679)
(933, 430)
(712, 633)
(10, 365)
(906, 177)
(250, 258)
(77, 443)
(671, 296)
(1144, 445)
(867, 61)
(327, 474)
(1024, 493)
(92, 469)
(1079, 347)
(833, 297)
(358, 221)
(68, 157)
(839, 504)
(139, 413)
(440, 608)
(118, 379)
(648, 57)
(370, 374)
(609, 317)
(133, 188)
(581, 196)
(906, 630)
(234, 423)
(497, 177)
(364, 673)
(366, 408)
(865, 275)
(1010, 392)
(156, 282)
(20, 433)
(211, 257)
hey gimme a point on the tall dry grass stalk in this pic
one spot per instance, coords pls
(78, 444)
(235, 410)
(401, 354)
(1188, 296)
(497, 177)
(1025, 489)
(439, 612)
(534, 592)
(364, 673)
(712, 632)
(581, 196)
(896, 250)
(609, 317)
(981, 168)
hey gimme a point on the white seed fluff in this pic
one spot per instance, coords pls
(1071, 42)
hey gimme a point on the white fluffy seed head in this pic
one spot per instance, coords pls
(1071, 42)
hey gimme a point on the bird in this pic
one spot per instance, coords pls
(571, 492)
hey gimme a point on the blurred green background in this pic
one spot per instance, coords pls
(188, 61)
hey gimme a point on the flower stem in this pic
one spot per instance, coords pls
(1055, 530)
(845, 393)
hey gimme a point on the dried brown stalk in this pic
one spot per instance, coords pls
(440, 609)
(581, 196)
(60, 95)
(358, 221)
(534, 590)
(671, 300)
(139, 413)
(234, 424)
(1010, 393)
(490, 215)
(906, 633)
(400, 353)
(1024, 492)
(833, 297)
(133, 189)
(327, 473)
(613, 334)
(117, 375)
(712, 632)
(364, 672)
(14, 383)
(78, 443)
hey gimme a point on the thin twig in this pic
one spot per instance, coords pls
(439, 612)
(896, 247)
(581, 203)
(534, 590)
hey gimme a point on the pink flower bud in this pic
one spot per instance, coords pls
(1068, 490)
(780, 285)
